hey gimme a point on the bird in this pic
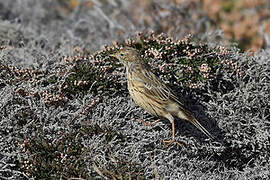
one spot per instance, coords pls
(151, 93)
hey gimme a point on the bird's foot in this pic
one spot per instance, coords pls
(149, 124)
(169, 142)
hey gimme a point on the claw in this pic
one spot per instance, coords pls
(169, 142)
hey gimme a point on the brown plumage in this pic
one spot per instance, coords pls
(150, 93)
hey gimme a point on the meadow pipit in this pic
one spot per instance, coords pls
(150, 93)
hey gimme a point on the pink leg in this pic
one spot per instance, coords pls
(150, 124)
(169, 142)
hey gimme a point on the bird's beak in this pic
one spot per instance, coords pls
(113, 55)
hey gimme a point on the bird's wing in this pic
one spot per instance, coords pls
(153, 87)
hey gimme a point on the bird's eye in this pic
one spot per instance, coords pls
(122, 55)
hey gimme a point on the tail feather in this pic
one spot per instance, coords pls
(187, 116)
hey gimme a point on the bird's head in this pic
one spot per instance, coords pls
(127, 55)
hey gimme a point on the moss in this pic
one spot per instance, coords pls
(63, 155)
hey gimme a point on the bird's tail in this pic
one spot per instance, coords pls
(186, 115)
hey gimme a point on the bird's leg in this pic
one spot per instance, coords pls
(169, 142)
(150, 124)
